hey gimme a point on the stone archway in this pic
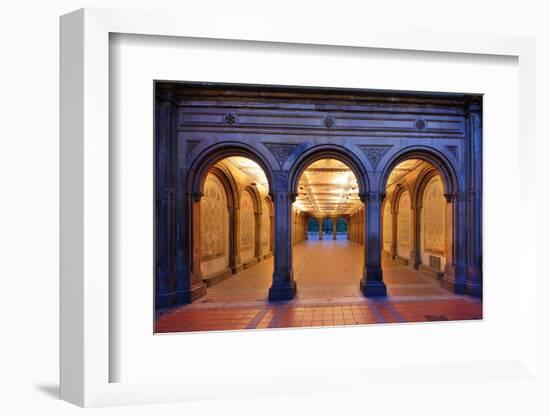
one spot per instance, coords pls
(453, 278)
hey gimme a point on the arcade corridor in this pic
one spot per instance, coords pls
(278, 207)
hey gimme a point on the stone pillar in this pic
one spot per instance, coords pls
(372, 283)
(394, 213)
(283, 286)
(170, 284)
(414, 258)
(320, 221)
(235, 240)
(258, 236)
(272, 231)
(188, 276)
(474, 184)
(306, 228)
(454, 278)
(334, 220)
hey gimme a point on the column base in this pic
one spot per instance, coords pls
(180, 297)
(250, 263)
(474, 289)
(237, 268)
(287, 292)
(449, 283)
(373, 288)
(427, 270)
(474, 286)
(215, 278)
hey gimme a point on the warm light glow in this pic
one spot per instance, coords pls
(328, 187)
(250, 168)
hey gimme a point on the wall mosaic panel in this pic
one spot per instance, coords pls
(434, 216)
(404, 220)
(214, 219)
(247, 222)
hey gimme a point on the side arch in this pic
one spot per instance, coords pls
(427, 154)
(217, 152)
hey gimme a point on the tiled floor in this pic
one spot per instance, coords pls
(327, 275)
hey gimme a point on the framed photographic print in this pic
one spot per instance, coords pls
(243, 215)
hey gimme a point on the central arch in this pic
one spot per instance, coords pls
(329, 151)
(326, 218)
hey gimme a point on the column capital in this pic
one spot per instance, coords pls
(374, 196)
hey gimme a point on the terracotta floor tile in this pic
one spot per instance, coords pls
(327, 274)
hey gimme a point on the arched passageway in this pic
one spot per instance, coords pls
(235, 216)
(418, 225)
(327, 263)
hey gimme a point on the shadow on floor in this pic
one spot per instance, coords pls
(51, 390)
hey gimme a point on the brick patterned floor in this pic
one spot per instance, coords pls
(327, 274)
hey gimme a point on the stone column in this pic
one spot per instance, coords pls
(283, 286)
(414, 258)
(307, 228)
(272, 231)
(454, 279)
(320, 221)
(394, 213)
(474, 175)
(169, 284)
(258, 236)
(371, 283)
(334, 220)
(235, 240)
(188, 276)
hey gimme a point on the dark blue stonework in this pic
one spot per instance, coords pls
(285, 129)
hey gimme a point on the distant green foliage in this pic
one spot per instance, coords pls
(313, 226)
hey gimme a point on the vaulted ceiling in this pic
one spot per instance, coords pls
(327, 188)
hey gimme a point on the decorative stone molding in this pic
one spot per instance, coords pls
(329, 121)
(375, 153)
(281, 151)
(420, 124)
(453, 150)
(191, 144)
(230, 119)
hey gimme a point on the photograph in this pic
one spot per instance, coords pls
(294, 207)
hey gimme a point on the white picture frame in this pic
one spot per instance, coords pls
(85, 212)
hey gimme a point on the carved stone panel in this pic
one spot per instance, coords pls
(375, 153)
(387, 227)
(434, 217)
(281, 151)
(404, 224)
(214, 218)
(247, 222)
